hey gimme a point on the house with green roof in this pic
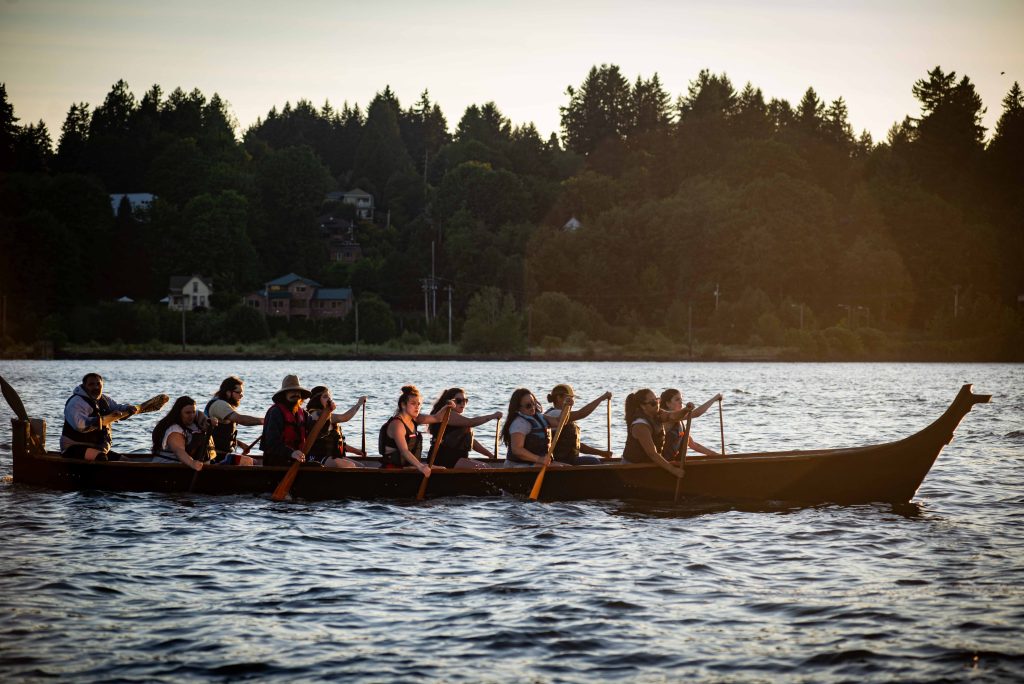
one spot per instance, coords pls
(295, 296)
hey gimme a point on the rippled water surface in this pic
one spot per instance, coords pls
(151, 587)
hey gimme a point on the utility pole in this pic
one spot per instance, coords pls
(450, 288)
(956, 300)
(689, 328)
(3, 317)
(357, 325)
(716, 297)
(426, 304)
(183, 324)
(433, 282)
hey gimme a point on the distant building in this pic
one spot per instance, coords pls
(572, 225)
(140, 202)
(189, 293)
(293, 295)
(339, 235)
(360, 199)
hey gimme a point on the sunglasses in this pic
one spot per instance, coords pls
(527, 405)
(461, 401)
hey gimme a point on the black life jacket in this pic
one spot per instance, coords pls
(390, 455)
(567, 448)
(330, 443)
(293, 434)
(456, 444)
(537, 440)
(97, 439)
(673, 440)
(225, 432)
(197, 445)
(634, 451)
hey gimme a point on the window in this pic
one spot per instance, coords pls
(195, 300)
(195, 286)
(202, 300)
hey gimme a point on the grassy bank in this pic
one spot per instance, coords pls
(652, 350)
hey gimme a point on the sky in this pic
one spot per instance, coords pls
(521, 55)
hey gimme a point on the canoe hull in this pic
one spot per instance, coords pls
(881, 473)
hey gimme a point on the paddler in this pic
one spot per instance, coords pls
(88, 414)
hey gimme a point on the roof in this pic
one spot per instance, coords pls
(333, 293)
(291, 278)
(178, 282)
(341, 194)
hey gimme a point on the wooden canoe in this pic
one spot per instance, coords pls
(889, 472)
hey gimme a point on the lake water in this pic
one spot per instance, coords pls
(151, 587)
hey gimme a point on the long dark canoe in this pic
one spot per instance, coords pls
(889, 472)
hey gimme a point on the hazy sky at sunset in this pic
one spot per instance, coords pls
(522, 55)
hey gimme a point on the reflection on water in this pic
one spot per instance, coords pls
(141, 586)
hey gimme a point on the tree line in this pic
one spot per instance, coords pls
(717, 214)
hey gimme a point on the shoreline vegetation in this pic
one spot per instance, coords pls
(282, 348)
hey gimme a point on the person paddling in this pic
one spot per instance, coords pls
(183, 435)
(672, 401)
(286, 424)
(569, 447)
(224, 407)
(330, 446)
(527, 433)
(88, 414)
(645, 440)
(458, 440)
(401, 444)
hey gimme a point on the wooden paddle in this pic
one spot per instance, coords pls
(497, 433)
(286, 482)
(609, 425)
(154, 403)
(14, 401)
(682, 454)
(721, 425)
(363, 447)
(433, 452)
(535, 492)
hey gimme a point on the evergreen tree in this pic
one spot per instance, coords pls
(710, 97)
(650, 106)
(600, 110)
(381, 153)
(8, 130)
(1006, 151)
(33, 148)
(810, 113)
(751, 119)
(74, 139)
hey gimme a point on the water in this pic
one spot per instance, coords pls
(149, 587)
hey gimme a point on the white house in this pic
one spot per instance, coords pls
(572, 225)
(360, 199)
(189, 292)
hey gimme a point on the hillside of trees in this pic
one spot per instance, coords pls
(717, 217)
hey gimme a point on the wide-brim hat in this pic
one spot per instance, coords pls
(291, 384)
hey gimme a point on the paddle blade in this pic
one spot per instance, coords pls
(154, 403)
(286, 483)
(535, 492)
(13, 400)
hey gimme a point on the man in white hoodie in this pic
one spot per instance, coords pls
(88, 414)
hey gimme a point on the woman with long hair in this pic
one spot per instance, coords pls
(458, 440)
(645, 441)
(183, 436)
(672, 401)
(401, 443)
(330, 446)
(527, 432)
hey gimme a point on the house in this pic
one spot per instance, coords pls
(140, 202)
(360, 199)
(189, 293)
(339, 235)
(293, 295)
(572, 225)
